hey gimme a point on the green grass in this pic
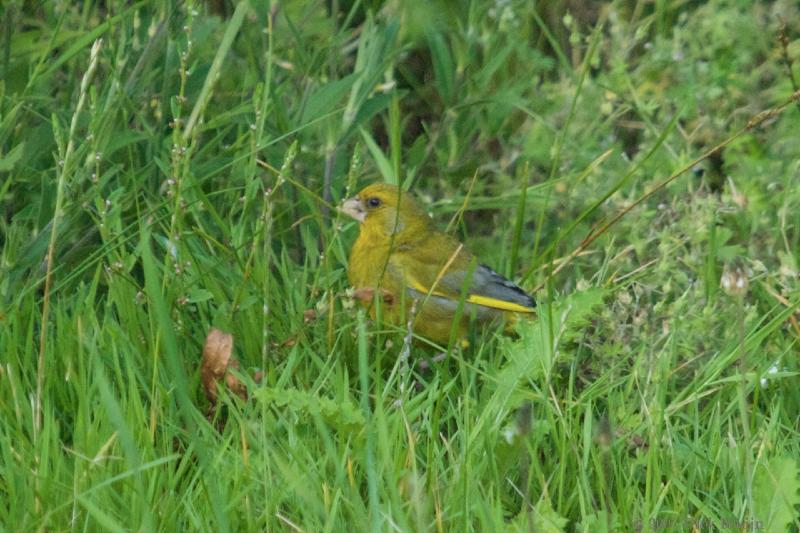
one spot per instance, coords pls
(183, 176)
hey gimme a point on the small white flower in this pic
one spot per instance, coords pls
(772, 370)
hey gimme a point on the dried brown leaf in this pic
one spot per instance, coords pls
(216, 363)
(366, 294)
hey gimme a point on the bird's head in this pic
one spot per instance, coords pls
(387, 210)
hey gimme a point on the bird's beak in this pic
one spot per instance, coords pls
(354, 208)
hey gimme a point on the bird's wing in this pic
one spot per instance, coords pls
(446, 276)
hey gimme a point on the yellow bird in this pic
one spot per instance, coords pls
(402, 255)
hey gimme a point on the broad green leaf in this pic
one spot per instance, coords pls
(443, 67)
(542, 518)
(199, 295)
(10, 159)
(342, 415)
(383, 163)
(326, 98)
(533, 353)
(776, 490)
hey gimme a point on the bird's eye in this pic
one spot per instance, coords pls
(373, 202)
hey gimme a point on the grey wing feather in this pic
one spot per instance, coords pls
(487, 282)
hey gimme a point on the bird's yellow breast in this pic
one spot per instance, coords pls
(400, 263)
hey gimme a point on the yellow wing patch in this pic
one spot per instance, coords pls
(498, 304)
(476, 299)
